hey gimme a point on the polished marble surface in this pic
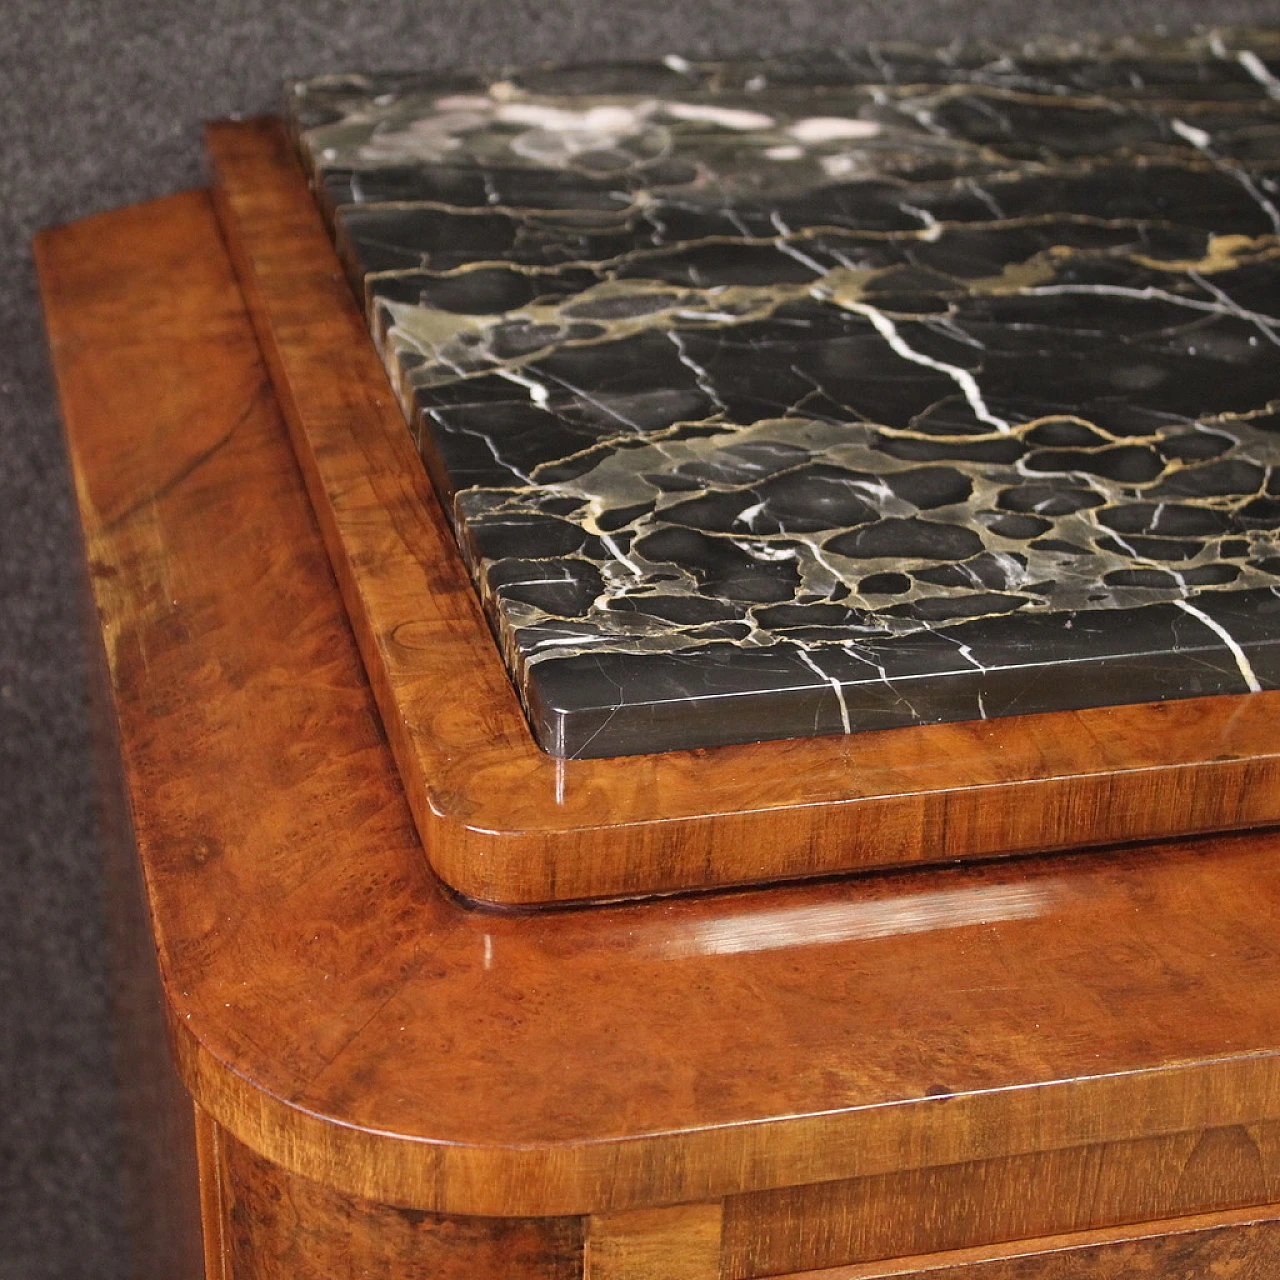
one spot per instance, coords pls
(848, 391)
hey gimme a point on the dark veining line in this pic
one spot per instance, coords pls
(331, 1058)
(260, 392)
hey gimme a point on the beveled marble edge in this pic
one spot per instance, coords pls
(798, 686)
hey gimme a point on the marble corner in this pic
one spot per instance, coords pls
(840, 392)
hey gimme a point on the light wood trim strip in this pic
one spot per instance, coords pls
(1244, 1245)
(680, 1242)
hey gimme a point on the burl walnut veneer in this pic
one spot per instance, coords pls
(1055, 1067)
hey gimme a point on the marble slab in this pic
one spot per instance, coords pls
(838, 392)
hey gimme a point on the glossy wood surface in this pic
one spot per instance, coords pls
(339, 1013)
(1243, 1246)
(158, 1168)
(503, 822)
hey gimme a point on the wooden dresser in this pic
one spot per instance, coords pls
(1035, 1069)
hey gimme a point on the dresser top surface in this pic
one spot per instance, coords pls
(333, 1004)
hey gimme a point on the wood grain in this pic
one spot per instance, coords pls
(157, 1172)
(279, 1226)
(503, 822)
(1241, 1246)
(678, 1242)
(1017, 1198)
(338, 1012)
(213, 1218)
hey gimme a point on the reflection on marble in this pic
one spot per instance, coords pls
(847, 391)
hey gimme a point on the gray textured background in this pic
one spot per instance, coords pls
(102, 104)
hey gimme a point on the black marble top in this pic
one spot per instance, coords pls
(845, 391)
